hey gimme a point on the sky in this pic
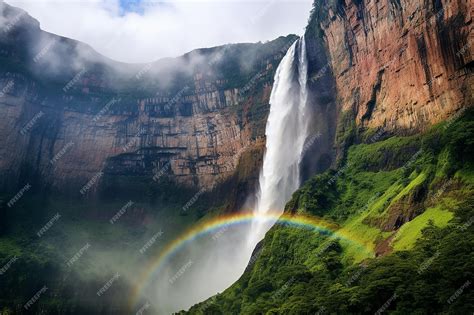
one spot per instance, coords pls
(147, 30)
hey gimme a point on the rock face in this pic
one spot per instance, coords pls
(392, 64)
(90, 122)
(396, 64)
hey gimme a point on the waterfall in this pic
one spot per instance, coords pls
(286, 132)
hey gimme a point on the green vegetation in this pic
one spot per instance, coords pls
(319, 14)
(411, 231)
(407, 200)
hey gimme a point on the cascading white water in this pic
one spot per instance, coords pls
(286, 131)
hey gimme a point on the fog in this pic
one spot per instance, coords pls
(153, 29)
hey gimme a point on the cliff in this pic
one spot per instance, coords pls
(90, 120)
(397, 65)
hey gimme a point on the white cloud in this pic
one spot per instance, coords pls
(167, 28)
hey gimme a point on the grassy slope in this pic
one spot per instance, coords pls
(407, 235)
(408, 199)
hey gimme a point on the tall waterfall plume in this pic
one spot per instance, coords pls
(286, 132)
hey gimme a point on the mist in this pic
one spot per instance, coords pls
(151, 30)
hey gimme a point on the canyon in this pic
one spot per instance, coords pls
(386, 156)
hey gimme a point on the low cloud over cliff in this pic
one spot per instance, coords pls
(154, 29)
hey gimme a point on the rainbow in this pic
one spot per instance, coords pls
(213, 225)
